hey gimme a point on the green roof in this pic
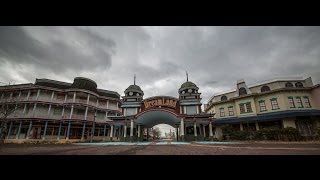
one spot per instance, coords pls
(135, 87)
(188, 84)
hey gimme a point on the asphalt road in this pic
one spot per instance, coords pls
(163, 149)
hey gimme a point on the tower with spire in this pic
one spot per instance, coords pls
(189, 97)
(132, 99)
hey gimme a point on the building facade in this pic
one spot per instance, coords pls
(57, 110)
(53, 110)
(79, 111)
(277, 103)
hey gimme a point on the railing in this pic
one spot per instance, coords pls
(55, 117)
(57, 100)
(92, 103)
(46, 99)
(69, 100)
(82, 101)
(75, 116)
(44, 116)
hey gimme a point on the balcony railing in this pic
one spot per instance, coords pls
(92, 103)
(81, 101)
(75, 116)
(58, 100)
(46, 99)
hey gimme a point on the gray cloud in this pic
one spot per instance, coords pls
(215, 57)
(57, 55)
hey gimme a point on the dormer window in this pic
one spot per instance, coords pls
(289, 84)
(242, 91)
(189, 90)
(265, 89)
(299, 84)
(224, 98)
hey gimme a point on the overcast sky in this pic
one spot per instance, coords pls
(215, 57)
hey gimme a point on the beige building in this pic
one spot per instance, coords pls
(277, 103)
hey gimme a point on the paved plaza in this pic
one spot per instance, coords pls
(165, 148)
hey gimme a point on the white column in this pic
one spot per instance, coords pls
(195, 128)
(71, 112)
(185, 109)
(131, 128)
(28, 96)
(138, 131)
(182, 127)
(14, 112)
(241, 126)
(29, 129)
(210, 130)
(74, 97)
(107, 104)
(19, 96)
(52, 95)
(97, 103)
(125, 111)
(257, 126)
(125, 131)
(34, 109)
(65, 100)
(197, 109)
(86, 113)
(180, 110)
(19, 130)
(45, 131)
(204, 131)
(73, 100)
(111, 131)
(117, 105)
(38, 94)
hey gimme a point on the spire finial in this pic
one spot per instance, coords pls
(187, 75)
(134, 79)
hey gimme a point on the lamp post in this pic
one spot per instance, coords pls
(93, 127)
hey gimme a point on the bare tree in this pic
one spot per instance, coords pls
(7, 106)
(156, 133)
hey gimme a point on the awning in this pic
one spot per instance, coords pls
(269, 116)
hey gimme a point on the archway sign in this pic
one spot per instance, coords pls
(183, 113)
(159, 110)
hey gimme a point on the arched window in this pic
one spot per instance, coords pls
(265, 89)
(289, 84)
(299, 84)
(242, 91)
(224, 98)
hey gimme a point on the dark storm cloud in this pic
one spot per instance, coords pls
(18, 46)
(215, 57)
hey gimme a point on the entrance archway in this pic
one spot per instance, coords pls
(153, 117)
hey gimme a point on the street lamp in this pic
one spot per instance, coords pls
(93, 127)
